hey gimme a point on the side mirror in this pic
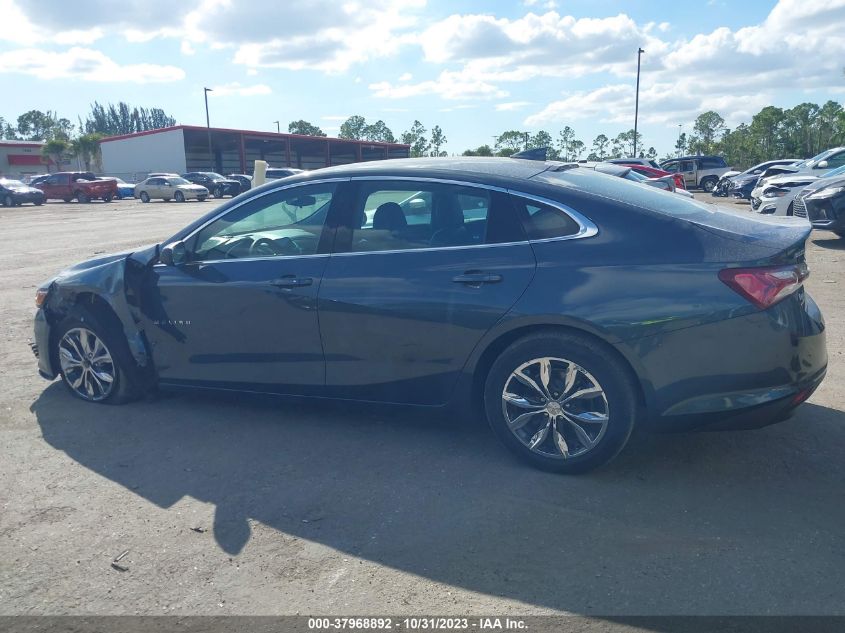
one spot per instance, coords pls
(822, 165)
(174, 254)
(756, 172)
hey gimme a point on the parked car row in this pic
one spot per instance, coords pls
(813, 188)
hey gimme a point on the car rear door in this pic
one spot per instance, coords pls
(241, 311)
(421, 270)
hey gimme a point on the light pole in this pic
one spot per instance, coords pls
(278, 130)
(208, 127)
(637, 101)
(680, 125)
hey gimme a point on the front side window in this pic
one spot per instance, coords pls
(281, 223)
(671, 167)
(687, 166)
(836, 160)
(400, 215)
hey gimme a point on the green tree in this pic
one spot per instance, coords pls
(353, 127)
(305, 128)
(601, 146)
(564, 142)
(544, 139)
(379, 132)
(481, 150)
(56, 150)
(111, 119)
(576, 149)
(681, 144)
(438, 140)
(708, 129)
(623, 144)
(87, 147)
(510, 142)
(7, 131)
(415, 137)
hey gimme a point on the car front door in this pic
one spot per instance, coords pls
(421, 270)
(241, 310)
(56, 186)
(688, 169)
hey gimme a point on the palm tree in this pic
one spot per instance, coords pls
(55, 151)
(87, 147)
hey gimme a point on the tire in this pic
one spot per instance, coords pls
(166, 200)
(179, 196)
(145, 197)
(607, 418)
(67, 199)
(107, 198)
(789, 209)
(8, 201)
(201, 198)
(39, 203)
(708, 184)
(218, 192)
(82, 197)
(124, 385)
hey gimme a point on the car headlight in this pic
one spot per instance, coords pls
(41, 296)
(775, 192)
(829, 192)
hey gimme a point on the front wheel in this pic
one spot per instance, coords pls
(179, 197)
(107, 198)
(218, 192)
(201, 198)
(561, 402)
(95, 364)
(145, 197)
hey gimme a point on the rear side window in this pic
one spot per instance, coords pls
(713, 162)
(543, 221)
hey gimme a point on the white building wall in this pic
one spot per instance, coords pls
(133, 158)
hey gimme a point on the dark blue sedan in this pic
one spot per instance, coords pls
(568, 304)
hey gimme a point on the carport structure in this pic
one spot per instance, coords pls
(195, 148)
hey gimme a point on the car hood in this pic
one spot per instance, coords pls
(226, 181)
(786, 179)
(743, 180)
(824, 183)
(23, 189)
(731, 174)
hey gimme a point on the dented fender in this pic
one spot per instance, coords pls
(115, 279)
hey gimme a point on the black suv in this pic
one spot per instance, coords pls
(218, 185)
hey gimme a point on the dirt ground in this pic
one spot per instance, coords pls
(230, 505)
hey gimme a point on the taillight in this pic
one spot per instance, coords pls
(764, 287)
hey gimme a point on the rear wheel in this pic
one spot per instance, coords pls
(708, 184)
(179, 196)
(145, 197)
(561, 402)
(67, 199)
(8, 201)
(95, 363)
(218, 192)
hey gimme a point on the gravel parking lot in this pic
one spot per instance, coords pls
(230, 505)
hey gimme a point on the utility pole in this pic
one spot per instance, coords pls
(278, 130)
(637, 101)
(208, 127)
(680, 125)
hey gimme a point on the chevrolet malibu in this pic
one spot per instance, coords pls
(569, 305)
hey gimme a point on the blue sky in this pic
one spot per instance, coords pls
(475, 68)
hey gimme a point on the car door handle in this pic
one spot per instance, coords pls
(476, 278)
(291, 281)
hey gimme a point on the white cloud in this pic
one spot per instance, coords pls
(85, 64)
(235, 88)
(511, 105)
(449, 85)
(406, 77)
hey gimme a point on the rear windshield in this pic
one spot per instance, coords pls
(625, 191)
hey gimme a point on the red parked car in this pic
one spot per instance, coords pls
(651, 172)
(80, 185)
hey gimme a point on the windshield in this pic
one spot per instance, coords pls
(11, 183)
(835, 172)
(214, 175)
(814, 159)
(178, 181)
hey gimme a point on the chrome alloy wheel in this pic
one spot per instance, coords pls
(86, 364)
(555, 407)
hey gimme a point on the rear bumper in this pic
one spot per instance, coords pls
(744, 372)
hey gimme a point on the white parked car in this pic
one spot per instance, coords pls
(169, 188)
(777, 195)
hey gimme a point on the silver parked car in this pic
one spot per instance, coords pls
(777, 195)
(169, 188)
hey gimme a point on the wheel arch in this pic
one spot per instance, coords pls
(495, 343)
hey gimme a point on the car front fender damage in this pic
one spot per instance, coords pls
(114, 280)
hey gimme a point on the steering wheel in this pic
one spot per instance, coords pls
(265, 247)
